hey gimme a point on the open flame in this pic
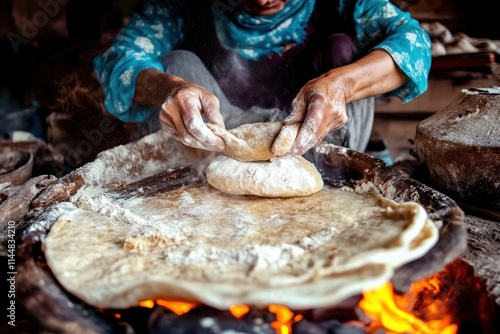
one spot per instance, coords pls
(423, 310)
(395, 314)
(238, 311)
(178, 308)
(284, 319)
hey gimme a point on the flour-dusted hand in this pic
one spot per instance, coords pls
(181, 116)
(320, 107)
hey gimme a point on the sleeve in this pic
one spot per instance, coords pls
(138, 46)
(381, 25)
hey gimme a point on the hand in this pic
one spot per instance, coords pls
(181, 116)
(321, 107)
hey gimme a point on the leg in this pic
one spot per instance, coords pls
(355, 134)
(188, 66)
(338, 50)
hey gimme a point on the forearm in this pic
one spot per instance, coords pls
(372, 75)
(153, 87)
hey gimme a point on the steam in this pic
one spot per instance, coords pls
(239, 84)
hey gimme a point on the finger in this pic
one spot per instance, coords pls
(298, 110)
(172, 122)
(285, 139)
(338, 122)
(168, 126)
(305, 139)
(198, 130)
(305, 146)
(167, 121)
(309, 132)
(211, 110)
(177, 119)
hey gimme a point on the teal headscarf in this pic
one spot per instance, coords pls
(254, 35)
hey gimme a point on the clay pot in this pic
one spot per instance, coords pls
(461, 148)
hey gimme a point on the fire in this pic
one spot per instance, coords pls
(284, 319)
(422, 310)
(283, 323)
(238, 311)
(178, 308)
(147, 303)
(392, 312)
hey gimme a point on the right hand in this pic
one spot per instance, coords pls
(181, 116)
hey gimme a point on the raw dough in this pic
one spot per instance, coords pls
(256, 141)
(198, 244)
(246, 169)
(282, 177)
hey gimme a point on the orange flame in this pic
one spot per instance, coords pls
(178, 308)
(238, 311)
(147, 303)
(380, 305)
(284, 319)
(283, 323)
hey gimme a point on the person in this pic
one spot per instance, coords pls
(228, 62)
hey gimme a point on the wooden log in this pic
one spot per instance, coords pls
(18, 204)
(60, 191)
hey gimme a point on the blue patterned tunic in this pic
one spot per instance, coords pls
(161, 27)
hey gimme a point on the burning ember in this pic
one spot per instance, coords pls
(283, 323)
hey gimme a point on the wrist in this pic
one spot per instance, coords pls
(374, 74)
(153, 87)
(341, 82)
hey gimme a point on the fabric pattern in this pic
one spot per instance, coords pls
(160, 28)
(256, 36)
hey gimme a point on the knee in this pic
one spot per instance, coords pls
(180, 59)
(342, 48)
(339, 50)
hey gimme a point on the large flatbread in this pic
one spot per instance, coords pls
(200, 245)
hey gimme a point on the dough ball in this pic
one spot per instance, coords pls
(254, 141)
(283, 177)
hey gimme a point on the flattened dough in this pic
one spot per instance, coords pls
(256, 141)
(197, 244)
(283, 177)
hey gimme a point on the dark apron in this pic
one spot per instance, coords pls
(272, 81)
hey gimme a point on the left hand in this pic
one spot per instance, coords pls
(321, 107)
